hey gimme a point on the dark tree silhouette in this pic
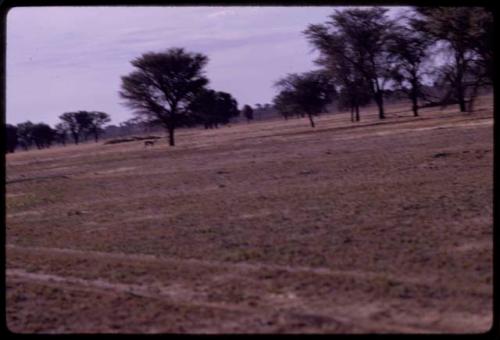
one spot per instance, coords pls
(308, 93)
(285, 104)
(97, 121)
(163, 85)
(352, 96)
(353, 89)
(408, 51)
(25, 134)
(247, 112)
(61, 133)
(212, 108)
(467, 34)
(357, 37)
(43, 135)
(10, 138)
(77, 123)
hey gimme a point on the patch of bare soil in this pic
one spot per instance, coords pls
(269, 227)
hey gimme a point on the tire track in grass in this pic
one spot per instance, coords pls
(180, 296)
(238, 266)
(268, 303)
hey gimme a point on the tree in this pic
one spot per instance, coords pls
(61, 133)
(163, 85)
(352, 87)
(212, 108)
(285, 104)
(352, 96)
(25, 134)
(408, 49)
(247, 112)
(77, 123)
(357, 37)
(308, 93)
(10, 138)
(97, 121)
(43, 135)
(466, 33)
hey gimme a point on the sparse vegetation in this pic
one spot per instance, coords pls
(314, 212)
(376, 227)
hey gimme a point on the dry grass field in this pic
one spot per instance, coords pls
(267, 227)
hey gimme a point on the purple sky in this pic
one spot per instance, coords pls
(63, 59)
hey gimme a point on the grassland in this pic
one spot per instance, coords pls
(377, 226)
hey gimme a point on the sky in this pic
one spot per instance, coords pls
(62, 59)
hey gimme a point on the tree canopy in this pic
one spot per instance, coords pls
(247, 112)
(213, 107)
(163, 85)
(356, 39)
(307, 93)
(408, 53)
(466, 33)
(96, 123)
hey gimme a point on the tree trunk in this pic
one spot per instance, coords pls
(171, 141)
(380, 103)
(96, 135)
(415, 90)
(414, 105)
(473, 97)
(357, 113)
(459, 60)
(311, 120)
(461, 99)
(352, 113)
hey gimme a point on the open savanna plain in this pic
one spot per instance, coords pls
(379, 226)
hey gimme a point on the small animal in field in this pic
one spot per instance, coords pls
(149, 143)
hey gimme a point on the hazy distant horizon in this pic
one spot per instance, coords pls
(62, 59)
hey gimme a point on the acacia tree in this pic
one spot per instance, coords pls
(25, 134)
(43, 135)
(163, 85)
(351, 85)
(77, 123)
(213, 107)
(408, 52)
(308, 93)
(247, 112)
(97, 121)
(466, 33)
(61, 133)
(357, 37)
(285, 104)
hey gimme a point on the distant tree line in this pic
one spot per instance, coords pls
(366, 55)
(75, 125)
